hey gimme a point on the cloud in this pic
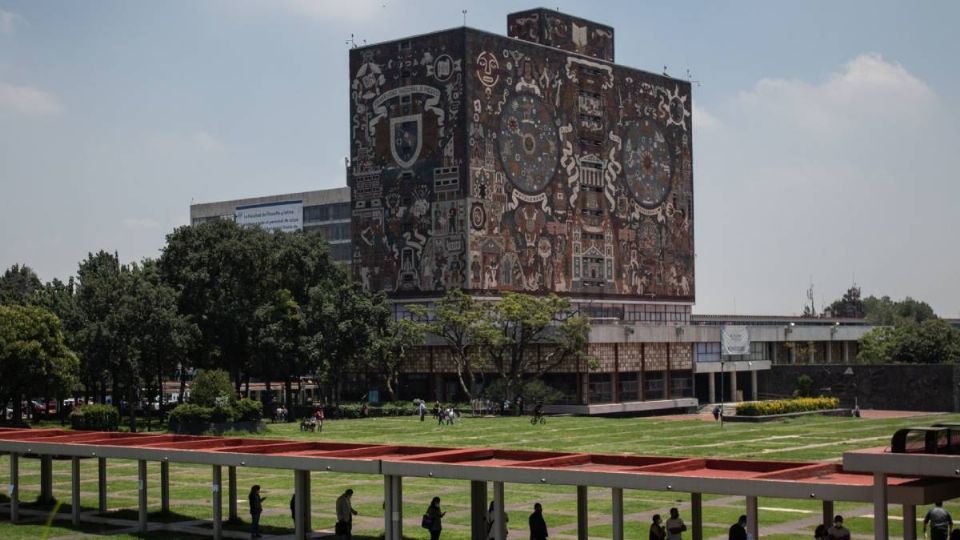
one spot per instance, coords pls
(199, 140)
(704, 120)
(846, 176)
(207, 142)
(9, 22)
(140, 224)
(318, 10)
(27, 100)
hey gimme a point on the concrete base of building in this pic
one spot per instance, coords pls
(623, 408)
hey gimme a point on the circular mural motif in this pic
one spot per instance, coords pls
(648, 164)
(528, 143)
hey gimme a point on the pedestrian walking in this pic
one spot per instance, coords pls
(433, 519)
(538, 526)
(318, 418)
(939, 521)
(422, 409)
(256, 508)
(345, 513)
(838, 531)
(657, 532)
(675, 525)
(492, 519)
(738, 531)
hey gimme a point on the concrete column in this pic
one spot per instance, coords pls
(142, 495)
(909, 522)
(216, 495)
(733, 386)
(776, 349)
(232, 493)
(582, 513)
(712, 384)
(165, 487)
(300, 493)
(46, 479)
(829, 345)
(828, 513)
(617, 494)
(793, 354)
(696, 516)
(879, 506)
(14, 488)
(846, 352)
(102, 484)
(396, 516)
(388, 507)
(75, 490)
(811, 353)
(754, 391)
(478, 510)
(753, 520)
(499, 516)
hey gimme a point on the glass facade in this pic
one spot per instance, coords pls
(710, 352)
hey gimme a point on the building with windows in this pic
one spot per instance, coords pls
(325, 211)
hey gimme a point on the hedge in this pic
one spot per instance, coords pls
(784, 406)
(95, 417)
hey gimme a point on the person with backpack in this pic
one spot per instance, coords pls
(433, 519)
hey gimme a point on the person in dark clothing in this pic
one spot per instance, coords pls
(435, 514)
(293, 507)
(538, 527)
(738, 531)
(256, 508)
(657, 532)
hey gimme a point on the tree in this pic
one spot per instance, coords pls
(17, 284)
(530, 335)
(850, 305)
(279, 340)
(886, 312)
(33, 357)
(212, 388)
(458, 322)
(930, 342)
(98, 291)
(392, 343)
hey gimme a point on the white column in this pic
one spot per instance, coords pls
(75, 490)
(14, 488)
(232, 493)
(827, 513)
(617, 494)
(846, 352)
(216, 490)
(753, 520)
(712, 384)
(165, 487)
(811, 351)
(478, 510)
(582, 514)
(142, 495)
(300, 495)
(733, 385)
(499, 515)
(396, 516)
(909, 522)
(829, 345)
(387, 507)
(754, 391)
(102, 484)
(879, 506)
(696, 516)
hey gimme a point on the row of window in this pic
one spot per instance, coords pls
(710, 352)
(332, 231)
(326, 212)
(653, 384)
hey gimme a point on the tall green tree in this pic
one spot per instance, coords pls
(530, 335)
(929, 342)
(34, 360)
(17, 284)
(888, 312)
(392, 344)
(458, 321)
(98, 293)
(279, 341)
(849, 305)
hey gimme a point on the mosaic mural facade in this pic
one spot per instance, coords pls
(492, 164)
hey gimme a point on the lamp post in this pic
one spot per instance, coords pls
(722, 384)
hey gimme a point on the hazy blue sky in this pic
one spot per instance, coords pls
(826, 133)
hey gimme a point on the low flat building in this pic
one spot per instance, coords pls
(326, 211)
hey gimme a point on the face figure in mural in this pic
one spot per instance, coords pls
(488, 69)
(528, 143)
(648, 164)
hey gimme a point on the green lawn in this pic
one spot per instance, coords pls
(800, 439)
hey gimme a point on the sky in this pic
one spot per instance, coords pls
(826, 140)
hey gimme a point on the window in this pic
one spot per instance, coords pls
(707, 352)
(601, 388)
(629, 386)
(653, 385)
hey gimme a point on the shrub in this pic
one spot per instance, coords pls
(804, 386)
(249, 410)
(212, 388)
(189, 413)
(785, 406)
(95, 417)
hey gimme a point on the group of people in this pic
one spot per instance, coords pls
(344, 507)
(313, 422)
(443, 415)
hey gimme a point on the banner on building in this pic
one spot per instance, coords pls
(284, 216)
(734, 340)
